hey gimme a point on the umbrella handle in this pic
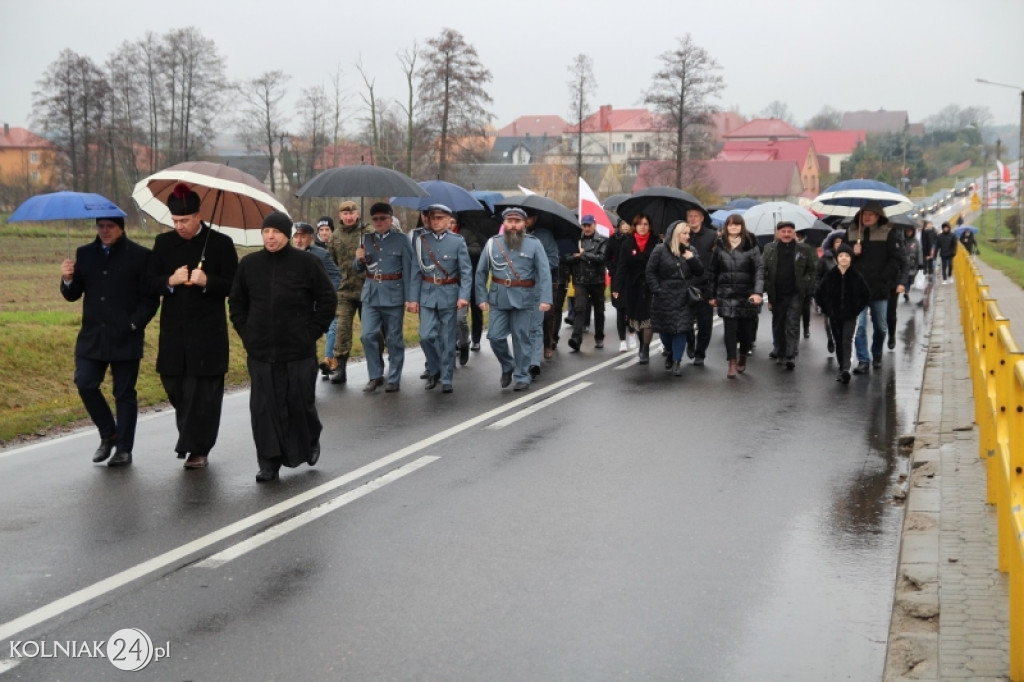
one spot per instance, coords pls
(190, 283)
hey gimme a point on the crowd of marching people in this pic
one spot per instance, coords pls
(665, 281)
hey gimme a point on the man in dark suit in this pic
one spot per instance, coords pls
(111, 273)
(192, 268)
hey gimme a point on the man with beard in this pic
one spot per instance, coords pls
(440, 289)
(520, 288)
(192, 267)
(281, 302)
(344, 242)
(111, 273)
(702, 239)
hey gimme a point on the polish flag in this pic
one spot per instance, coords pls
(1004, 172)
(590, 204)
(526, 191)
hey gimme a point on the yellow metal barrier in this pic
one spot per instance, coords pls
(997, 375)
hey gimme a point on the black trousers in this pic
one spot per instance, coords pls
(786, 325)
(738, 331)
(197, 402)
(842, 333)
(589, 297)
(88, 377)
(285, 423)
(704, 317)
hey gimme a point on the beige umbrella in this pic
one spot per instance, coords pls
(231, 201)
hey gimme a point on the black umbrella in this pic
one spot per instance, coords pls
(482, 223)
(361, 181)
(662, 205)
(551, 215)
(612, 202)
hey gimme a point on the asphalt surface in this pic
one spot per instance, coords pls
(623, 524)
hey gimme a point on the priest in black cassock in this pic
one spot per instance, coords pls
(280, 304)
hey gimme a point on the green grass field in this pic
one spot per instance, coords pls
(38, 329)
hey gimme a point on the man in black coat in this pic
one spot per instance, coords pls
(588, 278)
(702, 239)
(111, 273)
(281, 302)
(788, 277)
(192, 268)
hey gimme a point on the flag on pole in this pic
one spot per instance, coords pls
(525, 191)
(590, 205)
(1004, 172)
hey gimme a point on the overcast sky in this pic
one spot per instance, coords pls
(913, 55)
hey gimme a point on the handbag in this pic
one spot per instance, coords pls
(693, 293)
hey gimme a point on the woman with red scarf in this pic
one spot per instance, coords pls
(629, 282)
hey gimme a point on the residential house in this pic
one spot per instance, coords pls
(26, 159)
(835, 146)
(872, 122)
(760, 180)
(767, 129)
(625, 137)
(800, 151)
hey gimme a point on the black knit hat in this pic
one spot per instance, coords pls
(183, 201)
(326, 220)
(845, 248)
(280, 222)
(114, 219)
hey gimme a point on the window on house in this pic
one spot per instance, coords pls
(641, 148)
(33, 157)
(628, 136)
(618, 147)
(34, 175)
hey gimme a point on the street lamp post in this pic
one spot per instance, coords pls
(1020, 170)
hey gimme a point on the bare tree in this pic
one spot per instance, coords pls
(128, 105)
(70, 107)
(581, 85)
(372, 105)
(681, 92)
(407, 58)
(454, 97)
(195, 87)
(829, 118)
(261, 125)
(335, 114)
(780, 110)
(313, 108)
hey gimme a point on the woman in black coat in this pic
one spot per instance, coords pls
(737, 285)
(946, 244)
(673, 265)
(627, 340)
(629, 284)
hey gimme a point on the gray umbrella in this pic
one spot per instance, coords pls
(361, 181)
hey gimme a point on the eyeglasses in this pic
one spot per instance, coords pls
(380, 218)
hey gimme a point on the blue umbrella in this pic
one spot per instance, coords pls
(718, 217)
(65, 206)
(440, 192)
(958, 231)
(742, 203)
(847, 197)
(488, 198)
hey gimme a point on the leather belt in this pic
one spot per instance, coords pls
(377, 277)
(514, 282)
(441, 280)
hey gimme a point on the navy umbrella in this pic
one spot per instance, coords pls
(662, 205)
(66, 206)
(847, 197)
(440, 192)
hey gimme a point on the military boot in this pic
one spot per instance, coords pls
(338, 376)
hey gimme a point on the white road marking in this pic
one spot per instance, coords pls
(539, 406)
(8, 664)
(274, 532)
(162, 561)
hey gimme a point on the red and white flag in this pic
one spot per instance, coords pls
(589, 205)
(1004, 172)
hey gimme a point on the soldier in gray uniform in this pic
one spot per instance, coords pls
(386, 258)
(440, 289)
(520, 288)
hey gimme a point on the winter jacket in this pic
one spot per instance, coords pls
(611, 257)
(881, 257)
(589, 267)
(668, 277)
(968, 242)
(734, 275)
(342, 248)
(118, 303)
(629, 281)
(945, 244)
(842, 296)
(803, 266)
(280, 304)
(703, 242)
(911, 258)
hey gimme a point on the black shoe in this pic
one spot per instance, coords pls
(372, 385)
(463, 355)
(790, 364)
(447, 388)
(807, 333)
(698, 361)
(391, 388)
(876, 363)
(891, 343)
(845, 376)
(339, 376)
(773, 355)
(196, 462)
(314, 455)
(574, 343)
(426, 374)
(668, 362)
(569, 321)
(120, 459)
(520, 386)
(432, 380)
(534, 370)
(598, 344)
(104, 450)
(643, 356)
(691, 352)
(266, 475)
(506, 379)
(862, 368)
(475, 346)
(831, 346)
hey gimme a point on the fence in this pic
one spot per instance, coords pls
(997, 374)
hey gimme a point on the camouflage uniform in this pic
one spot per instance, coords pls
(342, 247)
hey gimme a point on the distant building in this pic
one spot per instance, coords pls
(760, 180)
(836, 146)
(766, 129)
(26, 159)
(880, 121)
(626, 137)
(800, 151)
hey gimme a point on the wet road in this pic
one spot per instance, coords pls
(612, 523)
